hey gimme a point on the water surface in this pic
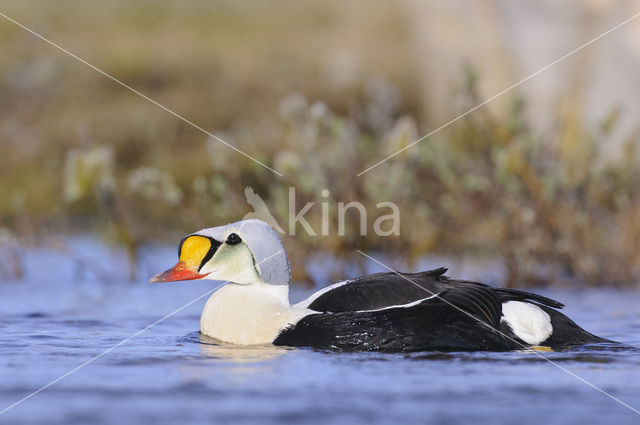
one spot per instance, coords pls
(74, 305)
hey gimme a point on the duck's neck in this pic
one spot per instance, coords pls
(248, 314)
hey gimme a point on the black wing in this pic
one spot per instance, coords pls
(517, 295)
(383, 290)
(432, 324)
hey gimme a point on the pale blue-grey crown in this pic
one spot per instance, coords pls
(263, 242)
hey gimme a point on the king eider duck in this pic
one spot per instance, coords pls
(384, 311)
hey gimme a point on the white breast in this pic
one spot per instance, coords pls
(248, 314)
(528, 322)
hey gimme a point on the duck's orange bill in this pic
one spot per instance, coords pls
(180, 271)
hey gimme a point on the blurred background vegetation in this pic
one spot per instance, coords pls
(320, 91)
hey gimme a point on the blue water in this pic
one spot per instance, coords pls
(74, 304)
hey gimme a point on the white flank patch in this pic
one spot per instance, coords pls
(529, 322)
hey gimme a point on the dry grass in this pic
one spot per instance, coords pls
(82, 154)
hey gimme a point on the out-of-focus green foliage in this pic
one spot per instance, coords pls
(81, 154)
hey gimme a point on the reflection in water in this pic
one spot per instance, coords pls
(213, 348)
(216, 349)
(233, 364)
(588, 353)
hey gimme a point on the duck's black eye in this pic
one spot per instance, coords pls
(233, 239)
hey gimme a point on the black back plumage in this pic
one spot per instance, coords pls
(382, 290)
(518, 295)
(431, 324)
(420, 311)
